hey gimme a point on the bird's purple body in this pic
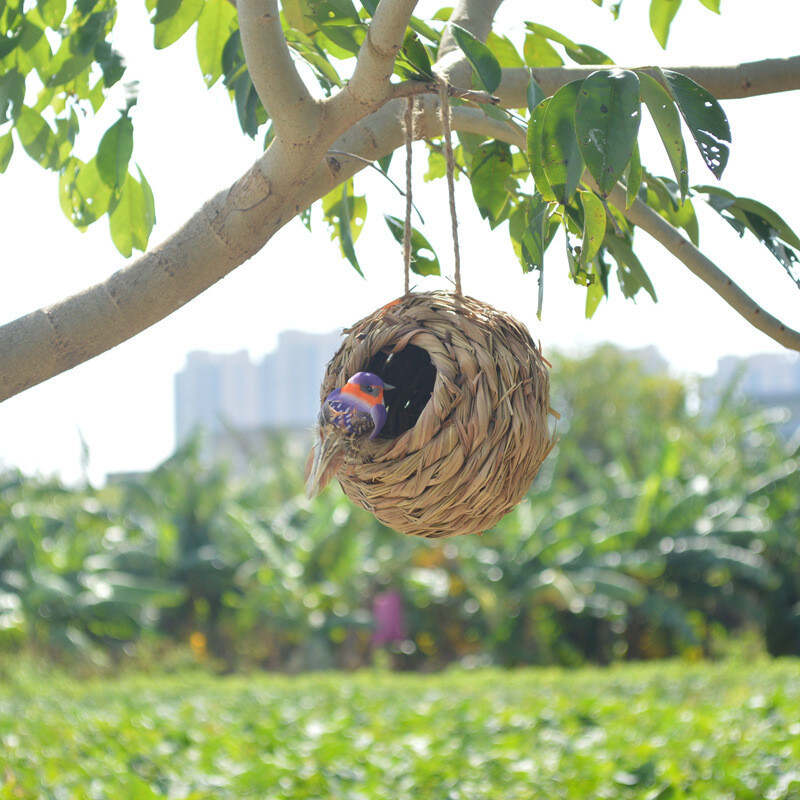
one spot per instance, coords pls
(357, 408)
(348, 415)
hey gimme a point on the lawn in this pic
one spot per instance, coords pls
(654, 731)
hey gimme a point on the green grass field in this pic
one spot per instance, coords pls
(655, 731)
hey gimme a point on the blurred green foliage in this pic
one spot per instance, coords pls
(633, 732)
(649, 532)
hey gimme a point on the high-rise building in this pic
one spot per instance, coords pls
(214, 391)
(770, 380)
(218, 392)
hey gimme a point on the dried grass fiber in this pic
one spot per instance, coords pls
(481, 437)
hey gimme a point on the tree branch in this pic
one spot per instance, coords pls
(725, 83)
(375, 63)
(475, 16)
(414, 88)
(665, 234)
(294, 112)
(228, 230)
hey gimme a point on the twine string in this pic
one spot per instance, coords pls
(451, 168)
(409, 124)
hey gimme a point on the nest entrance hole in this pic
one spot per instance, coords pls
(412, 374)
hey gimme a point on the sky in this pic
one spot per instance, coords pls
(189, 146)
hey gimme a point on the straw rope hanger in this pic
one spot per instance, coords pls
(408, 124)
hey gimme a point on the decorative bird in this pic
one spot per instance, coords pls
(348, 416)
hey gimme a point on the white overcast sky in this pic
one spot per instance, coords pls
(189, 145)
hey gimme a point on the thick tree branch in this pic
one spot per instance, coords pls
(294, 112)
(369, 87)
(375, 63)
(725, 83)
(228, 230)
(475, 16)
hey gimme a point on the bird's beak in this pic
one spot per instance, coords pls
(388, 386)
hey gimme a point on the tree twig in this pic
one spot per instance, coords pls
(372, 164)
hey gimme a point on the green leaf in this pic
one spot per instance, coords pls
(437, 166)
(535, 93)
(110, 62)
(6, 151)
(90, 32)
(312, 54)
(630, 272)
(775, 221)
(83, 196)
(480, 56)
(384, 162)
(248, 106)
(705, 118)
(114, 153)
(172, 19)
(297, 14)
(165, 9)
(214, 26)
(52, 11)
(594, 226)
(490, 168)
(68, 69)
(663, 195)
(662, 12)
(744, 213)
(91, 194)
(607, 117)
(539, 52)
(594, 293)
(423, 258)
(633, 177)
(345, 213)
(129, 219)
(586, 54)
(504, 51)
(712, 5)
(413, 62)
(561, 156)
(37, 138)
(346, 37)
(149, 204)
(535, 157)
(580, 53)
(12, 95)
(662, 109)
(530, 232)
(423, 29)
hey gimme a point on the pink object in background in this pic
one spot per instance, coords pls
(390, 624)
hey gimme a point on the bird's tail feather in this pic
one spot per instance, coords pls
(323, 463)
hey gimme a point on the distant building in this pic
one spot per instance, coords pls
(650, 359)
(223, 392)
(770, 380)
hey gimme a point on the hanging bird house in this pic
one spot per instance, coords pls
(467, 422)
